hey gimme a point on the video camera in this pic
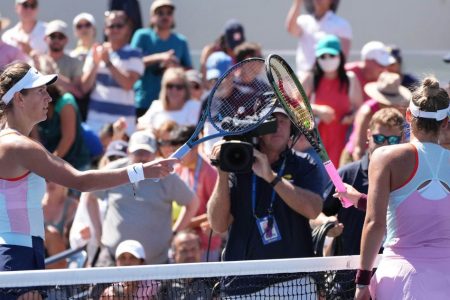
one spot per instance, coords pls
(236, 154)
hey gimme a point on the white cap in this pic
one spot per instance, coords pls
(142, 140)
(131, 246)
(377, 51)
(84, 16)
(56, 26)
(31, 80)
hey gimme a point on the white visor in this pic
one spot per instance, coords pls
(437, 115)
(31, 80)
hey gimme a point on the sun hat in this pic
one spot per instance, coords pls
(388, 90)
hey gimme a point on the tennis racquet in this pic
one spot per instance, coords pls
(239, 102)
(294, 101)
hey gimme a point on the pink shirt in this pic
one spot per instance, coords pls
(10, 54)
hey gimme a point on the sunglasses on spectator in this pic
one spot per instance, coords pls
(175, 86)
(27, 5)
(162, 13)
(379, 139)
(57, 36)
(326, 56)
(163, 143)
(194, 85)
(116, 26)
(83, 25)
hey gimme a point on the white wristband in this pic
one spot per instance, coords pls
(135, 172)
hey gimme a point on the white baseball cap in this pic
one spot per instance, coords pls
(84, 16)
(131, 246)
(56, 26)
(377, 51)
(33, 78)
(142, 140)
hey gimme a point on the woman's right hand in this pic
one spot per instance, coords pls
(159, 168)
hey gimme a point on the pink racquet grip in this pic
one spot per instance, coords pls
(337, 181)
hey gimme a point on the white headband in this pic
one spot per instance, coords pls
(437, 115)
(31, 80)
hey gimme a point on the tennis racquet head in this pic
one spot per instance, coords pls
(239, 102)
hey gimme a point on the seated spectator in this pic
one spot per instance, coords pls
(116, 150)
(113, 132)
(174, 102)
(28, 34)
(375, 59)
(408, 80)
(130, 253)
(9, 53)
(110, 72)
(195, 81)
(385, 92)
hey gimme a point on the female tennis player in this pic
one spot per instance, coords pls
(409, 193)
(25, 163)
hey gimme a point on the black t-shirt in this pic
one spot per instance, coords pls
(244, 241)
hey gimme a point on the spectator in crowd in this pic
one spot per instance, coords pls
(409, 207)
(132, 210)
(375, 58)
(385, 92)
(266, 212)
(310, 28)
(117, 149)
(85, 32)
(24, 164)
(162, 48)
(186, 249)
(110, 71)
(130, 253)
(337, 95)
(132, 10)
(174, 102)
(200, 176)
(61, 132)
(408, 80)
(59, 210)
(195, 81)
(165, 138)
(57, 61)
(113, 132)
(28, 34)
(9, 53)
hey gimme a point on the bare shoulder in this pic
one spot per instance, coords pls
(396, 154)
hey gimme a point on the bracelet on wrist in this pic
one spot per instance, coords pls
(363, 277)
(275, 181)
(362, 202)
(361, 286)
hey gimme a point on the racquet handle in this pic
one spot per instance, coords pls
(179, 154)
(337, 181)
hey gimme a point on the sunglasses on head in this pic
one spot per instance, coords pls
(175, 86)
(116, 26)
(57, 36)
(83, 25)
(325, 56)
(27, 5)
(379, 139)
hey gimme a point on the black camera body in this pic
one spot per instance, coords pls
(236, 153)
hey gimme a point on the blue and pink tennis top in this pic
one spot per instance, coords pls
(21, 214)
(418, 216)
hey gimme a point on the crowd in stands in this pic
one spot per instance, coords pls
(136, 97)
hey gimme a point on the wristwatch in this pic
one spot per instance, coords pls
(275, 181)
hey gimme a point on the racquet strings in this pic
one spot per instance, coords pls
(291, 95)
(242, 98)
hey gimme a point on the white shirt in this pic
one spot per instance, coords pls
(156, 115)
(313, 30)
(36, 37)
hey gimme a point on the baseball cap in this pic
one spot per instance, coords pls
(217, 64)
(142, 140)
(160, 3)
(377, 51)
(234, 33)
(33, 78)
(279, 109)
(329, 44)
(117, 148)
(23, 1)
(132, 247)
(84, 16)
(56, 26)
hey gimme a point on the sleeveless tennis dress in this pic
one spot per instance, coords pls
(416, 257)
(21, 221)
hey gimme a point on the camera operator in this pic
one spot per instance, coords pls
(267, 211)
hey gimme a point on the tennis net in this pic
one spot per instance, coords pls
(302, 278)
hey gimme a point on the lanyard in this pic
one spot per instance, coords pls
(272, 200)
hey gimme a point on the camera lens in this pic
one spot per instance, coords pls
(236, 156)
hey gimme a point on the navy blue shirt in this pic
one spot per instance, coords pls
(355, 174)
(244, 241)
